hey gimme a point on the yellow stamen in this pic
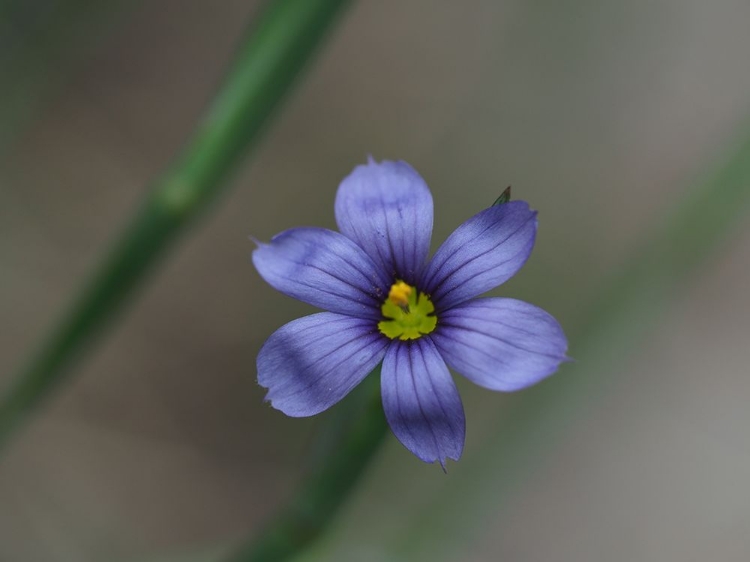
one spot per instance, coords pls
(399, 293)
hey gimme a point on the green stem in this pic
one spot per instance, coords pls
(284, 39)
(346, 444)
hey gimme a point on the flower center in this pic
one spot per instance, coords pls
(408, 314)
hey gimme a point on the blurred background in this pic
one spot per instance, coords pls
(602, 115)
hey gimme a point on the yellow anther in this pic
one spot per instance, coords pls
(399, 293)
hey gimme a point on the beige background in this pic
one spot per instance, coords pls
(601, 114)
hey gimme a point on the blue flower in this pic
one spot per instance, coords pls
(387, 303)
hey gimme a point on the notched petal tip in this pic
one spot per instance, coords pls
(442, 461)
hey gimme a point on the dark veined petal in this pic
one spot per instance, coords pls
(386, 208)
(322, 268)
(421, 401)
(500, 344)
(311, 363)
(482, 253)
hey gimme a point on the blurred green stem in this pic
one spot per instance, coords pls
(284, 38)
(346, 443)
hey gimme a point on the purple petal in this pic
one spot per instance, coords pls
(482, 253)
(500, 344)
(311, 363)
(421, 401)
(322, 268)
(386, 208)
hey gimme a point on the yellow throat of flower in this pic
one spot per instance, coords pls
(408, 314)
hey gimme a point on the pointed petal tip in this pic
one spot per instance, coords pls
(255, 241)
(444, 461)
(441, 458)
